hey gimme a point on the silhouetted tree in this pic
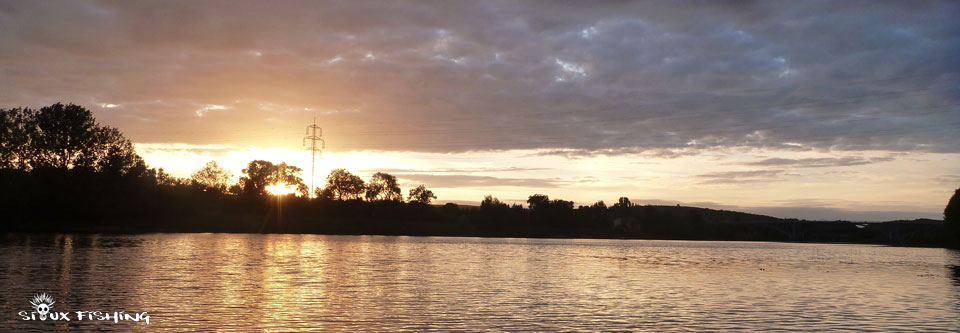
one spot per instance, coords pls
(951, 216)
(259, 174)
(324, 193)
(543, 211)
(115, 154)
(16, 127)
(623, 202)
(163, 178)
(290, 175)
(212, 177)
(344, 185)
(383, 186)
(235, 189)
(451, 208)
(599, 205)
(64, 137)
(489, 203)
(562, 204)
(538, 200)
(421, 194)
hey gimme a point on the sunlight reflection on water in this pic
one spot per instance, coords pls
(244, 282)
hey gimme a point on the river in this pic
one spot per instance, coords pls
(246, 282)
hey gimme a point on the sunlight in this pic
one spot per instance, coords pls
(281, 189)
(657, 179)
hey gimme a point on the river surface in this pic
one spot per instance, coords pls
(249, 282)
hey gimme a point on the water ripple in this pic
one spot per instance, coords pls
(237, 282)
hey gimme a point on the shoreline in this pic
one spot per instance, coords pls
(551, 237)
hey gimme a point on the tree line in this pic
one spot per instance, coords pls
(340, 183)
(62, 171)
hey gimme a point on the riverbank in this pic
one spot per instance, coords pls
(299, 216)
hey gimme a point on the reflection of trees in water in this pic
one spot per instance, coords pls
(954, 266)
(955, 274)
(72, 241)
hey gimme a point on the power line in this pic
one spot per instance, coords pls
(314, 137)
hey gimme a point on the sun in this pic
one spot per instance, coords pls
(281, 189)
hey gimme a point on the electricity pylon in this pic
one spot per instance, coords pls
(313, 136)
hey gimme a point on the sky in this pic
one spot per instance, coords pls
(807, 109)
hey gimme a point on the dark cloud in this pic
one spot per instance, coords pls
(818, 162)
(577, 78)
(471, 181)
(736, 177)
(953, 180)
(639, 151)
(453, 170)
(209, 150)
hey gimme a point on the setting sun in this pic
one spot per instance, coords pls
(281, 189)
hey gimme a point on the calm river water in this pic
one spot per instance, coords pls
(243, 282)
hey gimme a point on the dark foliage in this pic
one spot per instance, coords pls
(421, 194)
(383, 186)
(343, 185)
(951, 216)
(64, 137)
(259, 174)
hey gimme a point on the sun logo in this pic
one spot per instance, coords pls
(42, 303)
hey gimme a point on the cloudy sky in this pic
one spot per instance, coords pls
(810, 109)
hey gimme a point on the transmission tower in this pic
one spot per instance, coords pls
(313, 135)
